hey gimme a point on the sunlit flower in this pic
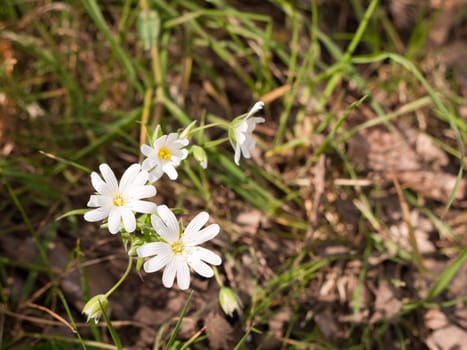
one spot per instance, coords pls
(179, 251)
(167, 153)
(95, 306)
(243, 129)
(120, 201)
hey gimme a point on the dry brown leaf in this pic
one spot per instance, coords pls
(279, 320)
(399, 233)
(327, 323)
(218, 330)
(387, 304)
(409, 156)
(446, 335)
(249, 221)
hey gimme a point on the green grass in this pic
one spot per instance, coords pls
(91, 79)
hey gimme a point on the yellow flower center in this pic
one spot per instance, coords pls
(164, 153)
(177, 247)
(118, 200)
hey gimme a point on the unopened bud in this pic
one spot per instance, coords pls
(229, 301)
(200, 156)
(95, 306)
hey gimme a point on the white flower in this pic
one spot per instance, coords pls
(243, 130)
(120, 201)
(178, 252)
(167, 153)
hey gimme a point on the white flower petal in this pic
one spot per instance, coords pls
(156, 263)
(204, 235)
(153, 248)
(253, 121)
(156, 174)
(168, 217)
(129, 221)
(242, 127)
(97, 182)
(171, 138)
(143, 207)
(168, 276)
(180, 143)
(108, 176)
(183, 273)
(170, 171)
(141, 178)
(184, 154)
(162, 230)
(100, 201)
(166, 224)
(256, 107)
(196, 223)
(237, 154)
(114, 220)
(245, 151)
(201, 268)
(206, 255)
(160, 142)
(148, 164)
(96, 215)
(147, 151)
(139, 192)
(129, 176)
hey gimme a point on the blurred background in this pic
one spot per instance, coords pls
(345, 230)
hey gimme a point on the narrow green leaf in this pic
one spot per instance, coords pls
(112, 331)
(174, 332)
(445, 278)
(93, 9)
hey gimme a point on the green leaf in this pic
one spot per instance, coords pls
(445, 278)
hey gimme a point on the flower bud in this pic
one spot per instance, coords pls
(200, 156)
(94, 307)
(229, 301)
(186, 133)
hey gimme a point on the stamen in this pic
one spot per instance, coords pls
(118, 200)
(177, 247)
(164, 153)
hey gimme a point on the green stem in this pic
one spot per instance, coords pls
(124, 276)
(212, 125)
(216, 276)
(214, 143)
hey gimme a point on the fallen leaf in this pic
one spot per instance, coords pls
(218, 330)
(387, 304)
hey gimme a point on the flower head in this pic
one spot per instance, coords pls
(167, 153)
(120, 201)
(243, 128)
(179, 251)
(94, 307)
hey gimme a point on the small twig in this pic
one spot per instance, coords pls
(53, 314)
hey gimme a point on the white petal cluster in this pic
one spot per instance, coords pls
(118, 202)
(180, 251)
(167, 153)
(243, 133)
